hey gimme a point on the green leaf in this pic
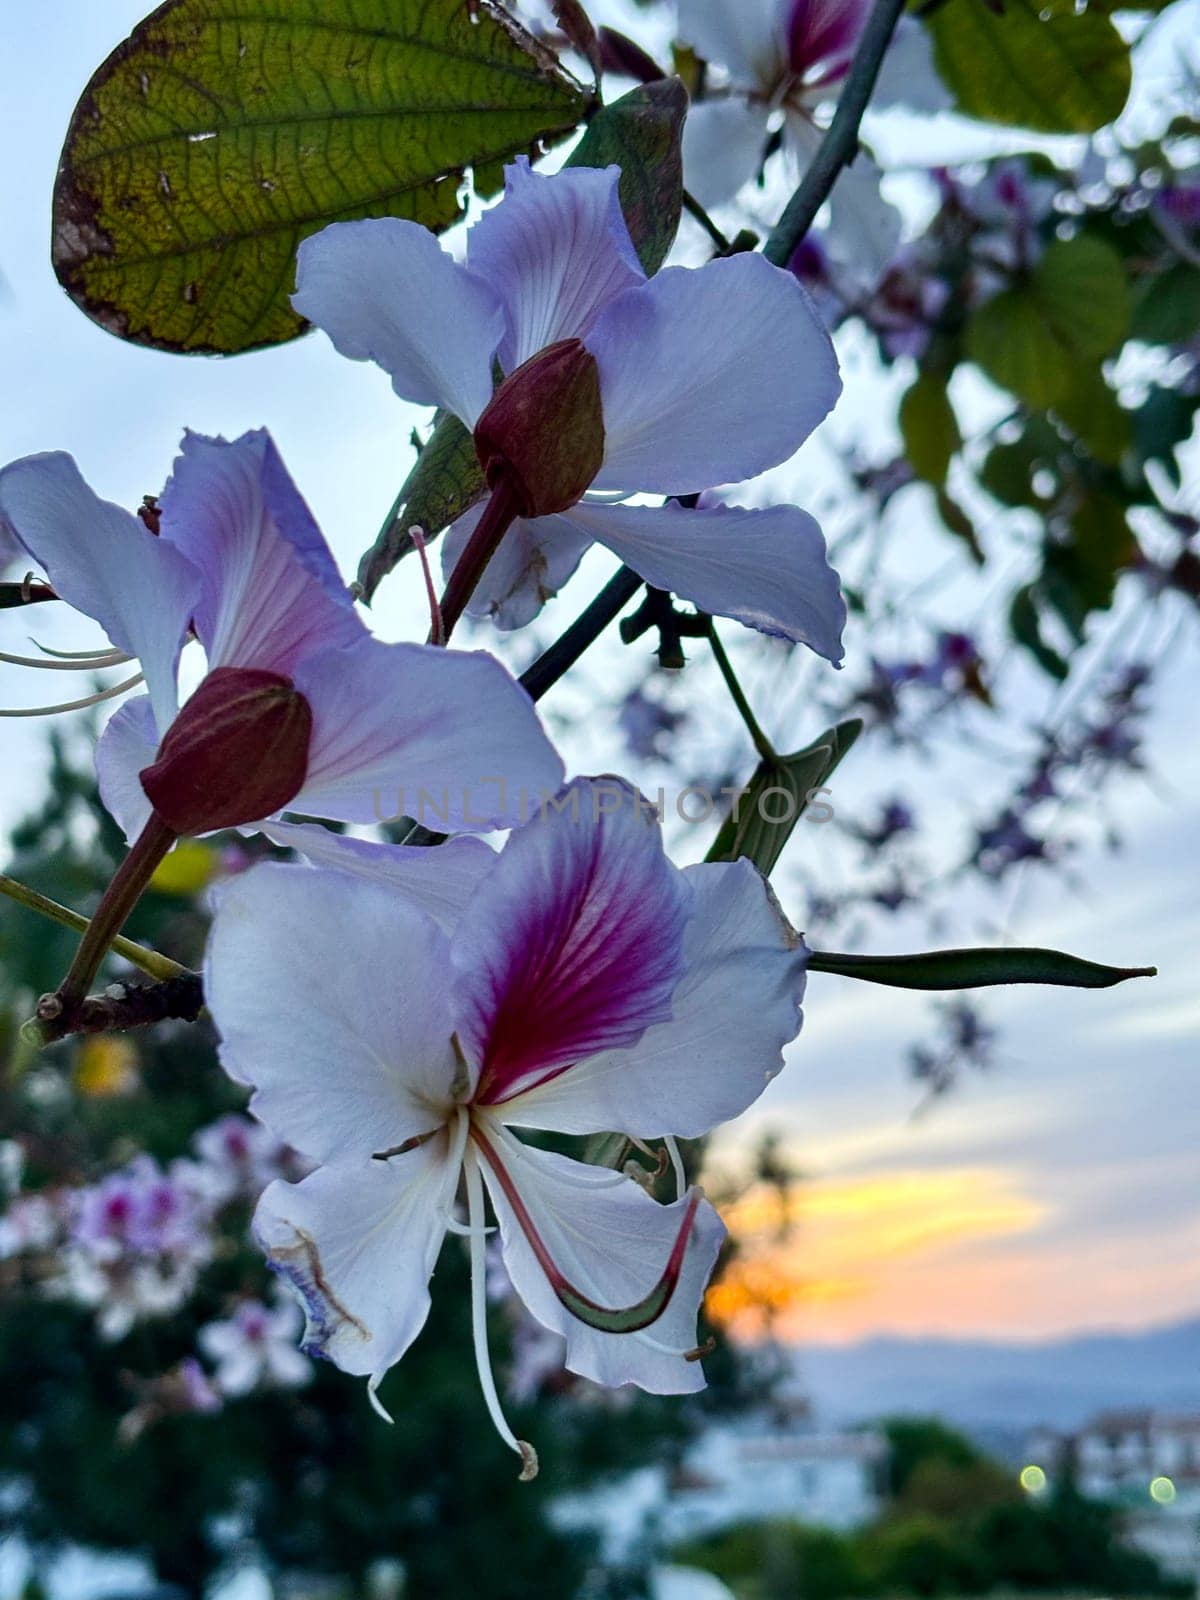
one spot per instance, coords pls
(1166, 306)
(1092, 412)
(1074, 304)
(959, 524)
(1014, 344)
(1162, 422)
(640, 133)
(762, 818)
(1081, 287)
(976, 969)
(219, 136)
(445, 481)
(1037, 64)
(929, 427)
(1008, 470)
(1079, 575)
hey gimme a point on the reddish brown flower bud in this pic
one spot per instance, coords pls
(543, 429)
(237, 752)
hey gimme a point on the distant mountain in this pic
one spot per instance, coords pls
(1001, 1390)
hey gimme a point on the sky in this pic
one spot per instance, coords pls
(1057, 1192)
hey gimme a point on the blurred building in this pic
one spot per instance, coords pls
(763, 1466)
(1148, 1463)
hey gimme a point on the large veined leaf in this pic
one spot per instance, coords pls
(1043, 64)
(640, 133)
(1073, 307)
(976, 969)
(223, 132)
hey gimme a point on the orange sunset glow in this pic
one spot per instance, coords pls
(847, 1256)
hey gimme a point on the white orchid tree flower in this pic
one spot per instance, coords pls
(677, 383)
(588, 986)
(789, 59)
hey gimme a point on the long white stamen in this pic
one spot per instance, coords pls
(606, 1177)
(677, 1163)
(464, 1230)
(483, 1360)
(75, 705)
(75, 655)
(84, 662)
(692, 1354)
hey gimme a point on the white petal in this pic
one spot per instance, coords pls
(709, 376)
(556, 250)
(330, 997)
(908, 77)
(746, 37)
(446, 736)
(105, 563)
(532, 563)
(736, 1007)
(384, 290)
(765, 568)
(864, 228)
(611, 1241)
(442, 881)
(125, 749)
(723, 144)
(358, 1244)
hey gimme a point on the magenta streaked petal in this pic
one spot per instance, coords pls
(735, 1010)
(271, 592)
(555, 250)
(611, 1241)
(823, 35)
(574, 942)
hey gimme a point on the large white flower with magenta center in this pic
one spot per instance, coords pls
(792, 57)
(237, 562)
(586, 986)
(706, 376)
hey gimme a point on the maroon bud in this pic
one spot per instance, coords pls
(543, 430)
(237, 752)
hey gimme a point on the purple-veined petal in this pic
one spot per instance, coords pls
(533, 561)
(358, 1242)
(330, 998)
(127, 746)
(104, 562)
(611, 1242)
(446, 736)
(709, 375)
(723, 144)
(556, 250)
(736, 1007)
(271, 592)
(765, 568)
(442, 881)
(574, 941)
(746, 38)
(384, 290)
(822, 36)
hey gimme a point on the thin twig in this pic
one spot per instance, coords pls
(840, 144)
(158, 966)
(761, 743)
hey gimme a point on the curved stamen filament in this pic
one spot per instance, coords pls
(74, 705)
(605, 1319)
(487, 1381)
(672, 1145)
(86, 661)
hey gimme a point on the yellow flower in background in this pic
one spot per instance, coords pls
(190, 867)
(106, 1066)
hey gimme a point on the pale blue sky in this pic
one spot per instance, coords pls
(1093, 1111)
